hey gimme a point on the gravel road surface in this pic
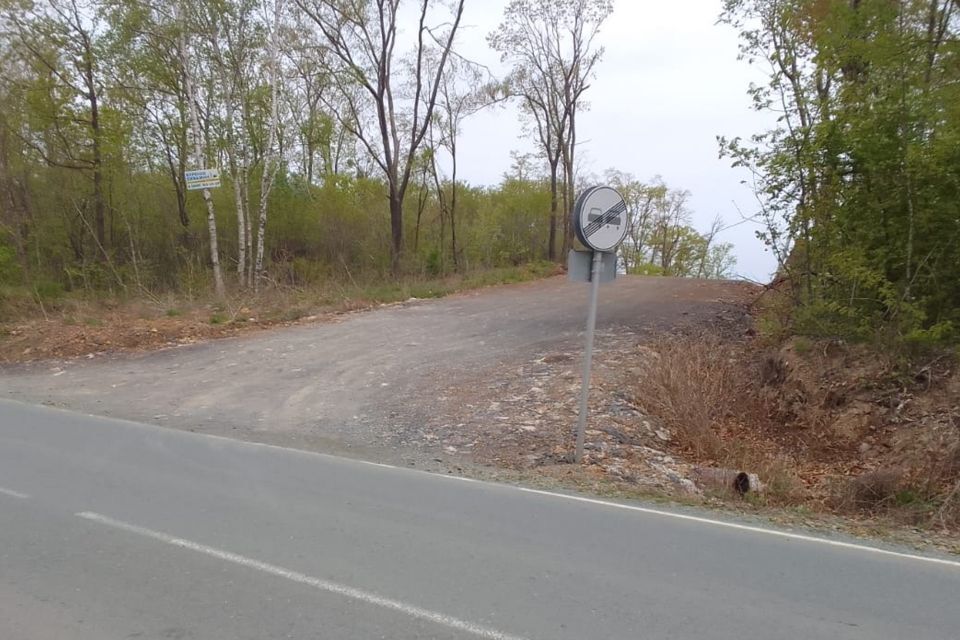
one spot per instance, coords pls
(345, 386)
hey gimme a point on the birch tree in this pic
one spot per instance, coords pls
(233, 39)
(199, 157)
(270, 154)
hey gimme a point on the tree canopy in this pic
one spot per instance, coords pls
(334, 127)
(860, 181)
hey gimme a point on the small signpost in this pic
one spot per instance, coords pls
(202, 179)
(600, 222)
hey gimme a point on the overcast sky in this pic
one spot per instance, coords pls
(668, 84)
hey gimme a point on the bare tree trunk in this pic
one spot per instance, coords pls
(99, 207)
(236, 177)
(396, 231)
(241, 224)
(552, 241)
(269, 158)
(565, 217)
(441, 201)
(309, 152)
(181, 195)
(178, 178)
(453, 206)
(247, 231)
(569, 179)
(199, 160)
(443, 238)
(421, 205)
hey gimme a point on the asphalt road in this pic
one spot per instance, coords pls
(112, 529)
(346, 386)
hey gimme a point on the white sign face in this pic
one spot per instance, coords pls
(202, 179)
(600, 218)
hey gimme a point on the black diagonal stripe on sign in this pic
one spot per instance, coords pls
(605, 219)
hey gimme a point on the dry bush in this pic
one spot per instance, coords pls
(948, 473)
(692, 384)
(868, 492)
(948, 514)
(951, 466)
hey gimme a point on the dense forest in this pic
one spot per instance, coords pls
(859, 184)
(334, 126)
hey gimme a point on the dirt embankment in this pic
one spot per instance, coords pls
(820, 427)
(867, 434)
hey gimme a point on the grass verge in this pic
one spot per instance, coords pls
(40, 325)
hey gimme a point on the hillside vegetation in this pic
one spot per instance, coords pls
(337, 153)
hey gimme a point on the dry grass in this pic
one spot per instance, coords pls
(705, 390)
(948, 514)
(76, 324)
(794, 418)
(871, 491)
(948, 511)
(692, 385)
(780, 475)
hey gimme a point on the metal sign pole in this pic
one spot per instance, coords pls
(588, 355)
(600, 223)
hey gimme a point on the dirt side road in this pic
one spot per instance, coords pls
(346, 386)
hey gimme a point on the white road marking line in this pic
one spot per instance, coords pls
(14, 494)
(370, 463)
(747, 527)
(317, 583)
(604, 503)
(629, 507)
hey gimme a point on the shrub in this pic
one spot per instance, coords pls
(9, 269)
(691, 384)
(870, 491)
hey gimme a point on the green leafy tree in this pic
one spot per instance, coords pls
(859, 182)
(551, 47)
(60, 42)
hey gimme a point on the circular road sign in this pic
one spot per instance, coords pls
(600, 218)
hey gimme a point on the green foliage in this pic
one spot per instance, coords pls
(860, 180)
(660, 239)
(10, 273)
(64, 173)
(936, 334)
(802, 345)
(48, 291)
(434, 263)
(646, 269)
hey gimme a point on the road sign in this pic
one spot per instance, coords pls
(202, 179)
(600, 218)
(600, 221)
(580, 266)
